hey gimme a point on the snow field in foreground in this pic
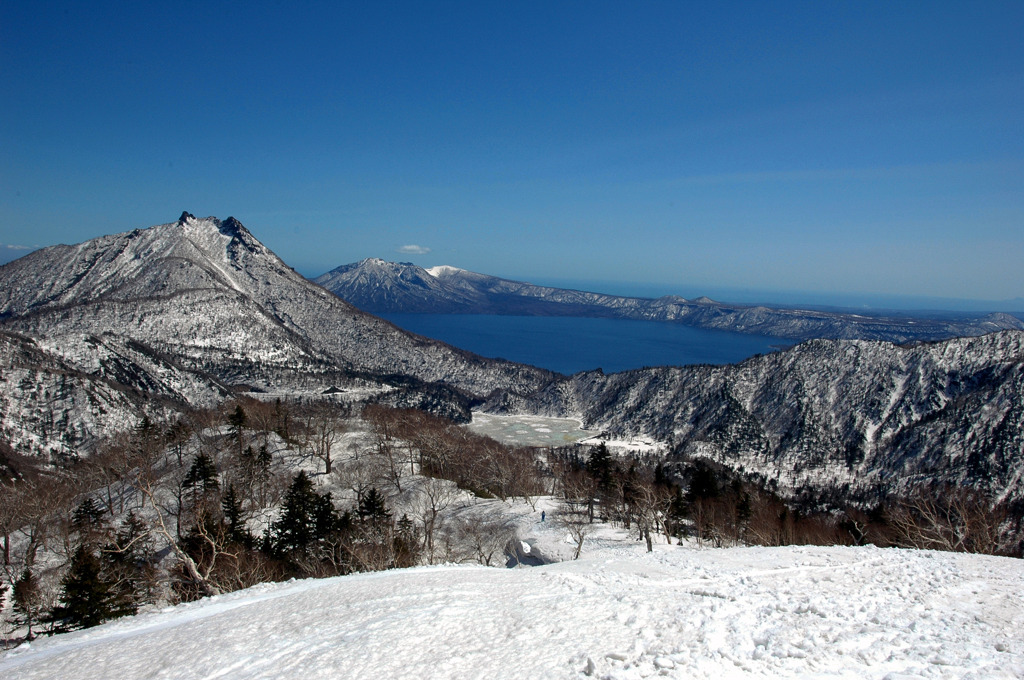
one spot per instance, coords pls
(793, 612)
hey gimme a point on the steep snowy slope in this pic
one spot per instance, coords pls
(50, 406)
(826, 414)
(208, 292)
(854, 613)
(387, 287)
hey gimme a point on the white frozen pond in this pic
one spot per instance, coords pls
(529, 430)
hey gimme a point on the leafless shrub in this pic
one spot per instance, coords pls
(485, 535)
(956, 519)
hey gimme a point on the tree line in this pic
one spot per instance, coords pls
(707, 503)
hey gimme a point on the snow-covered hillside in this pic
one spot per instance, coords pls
(208, 293)
(619, 612)
(188, 311)
(846, 415)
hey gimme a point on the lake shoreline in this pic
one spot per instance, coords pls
(573, 344)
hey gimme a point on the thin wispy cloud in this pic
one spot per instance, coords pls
(414, 250)
(11, 246)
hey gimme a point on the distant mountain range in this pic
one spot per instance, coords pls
(382, 287)
(95, 336)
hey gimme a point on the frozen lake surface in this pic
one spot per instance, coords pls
(522, 430)
(529, 430)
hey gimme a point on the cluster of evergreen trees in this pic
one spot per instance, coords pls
(110, 573)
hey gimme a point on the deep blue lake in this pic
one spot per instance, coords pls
(569, 345)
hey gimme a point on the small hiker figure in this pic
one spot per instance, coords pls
(541, 515)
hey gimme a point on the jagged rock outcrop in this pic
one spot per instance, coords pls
(382, 287)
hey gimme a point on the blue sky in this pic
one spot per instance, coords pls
(861, 148)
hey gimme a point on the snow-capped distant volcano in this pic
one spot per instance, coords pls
(443, 270)
(385, 285)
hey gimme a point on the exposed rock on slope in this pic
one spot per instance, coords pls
(384, 287)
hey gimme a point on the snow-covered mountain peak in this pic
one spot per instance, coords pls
(189, 254)
(443, 270)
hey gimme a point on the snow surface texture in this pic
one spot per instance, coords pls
(526, 430)
(681, 612)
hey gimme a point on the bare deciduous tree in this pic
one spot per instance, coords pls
(953, 518)
(322, 429)
(387, 446)
(432, 496)
(485, 535)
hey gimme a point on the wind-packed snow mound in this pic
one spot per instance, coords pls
(796, 612)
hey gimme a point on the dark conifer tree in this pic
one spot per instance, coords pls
(87, 522)
(703, 483)
(28, 600)
(88, 598)
(201, 478)
(263, 460)
(306, 517)
(600, 466)
(127, 562)
(661, 477)
(237, 420)
(373, 508)
(407, 542)
(231, 505)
